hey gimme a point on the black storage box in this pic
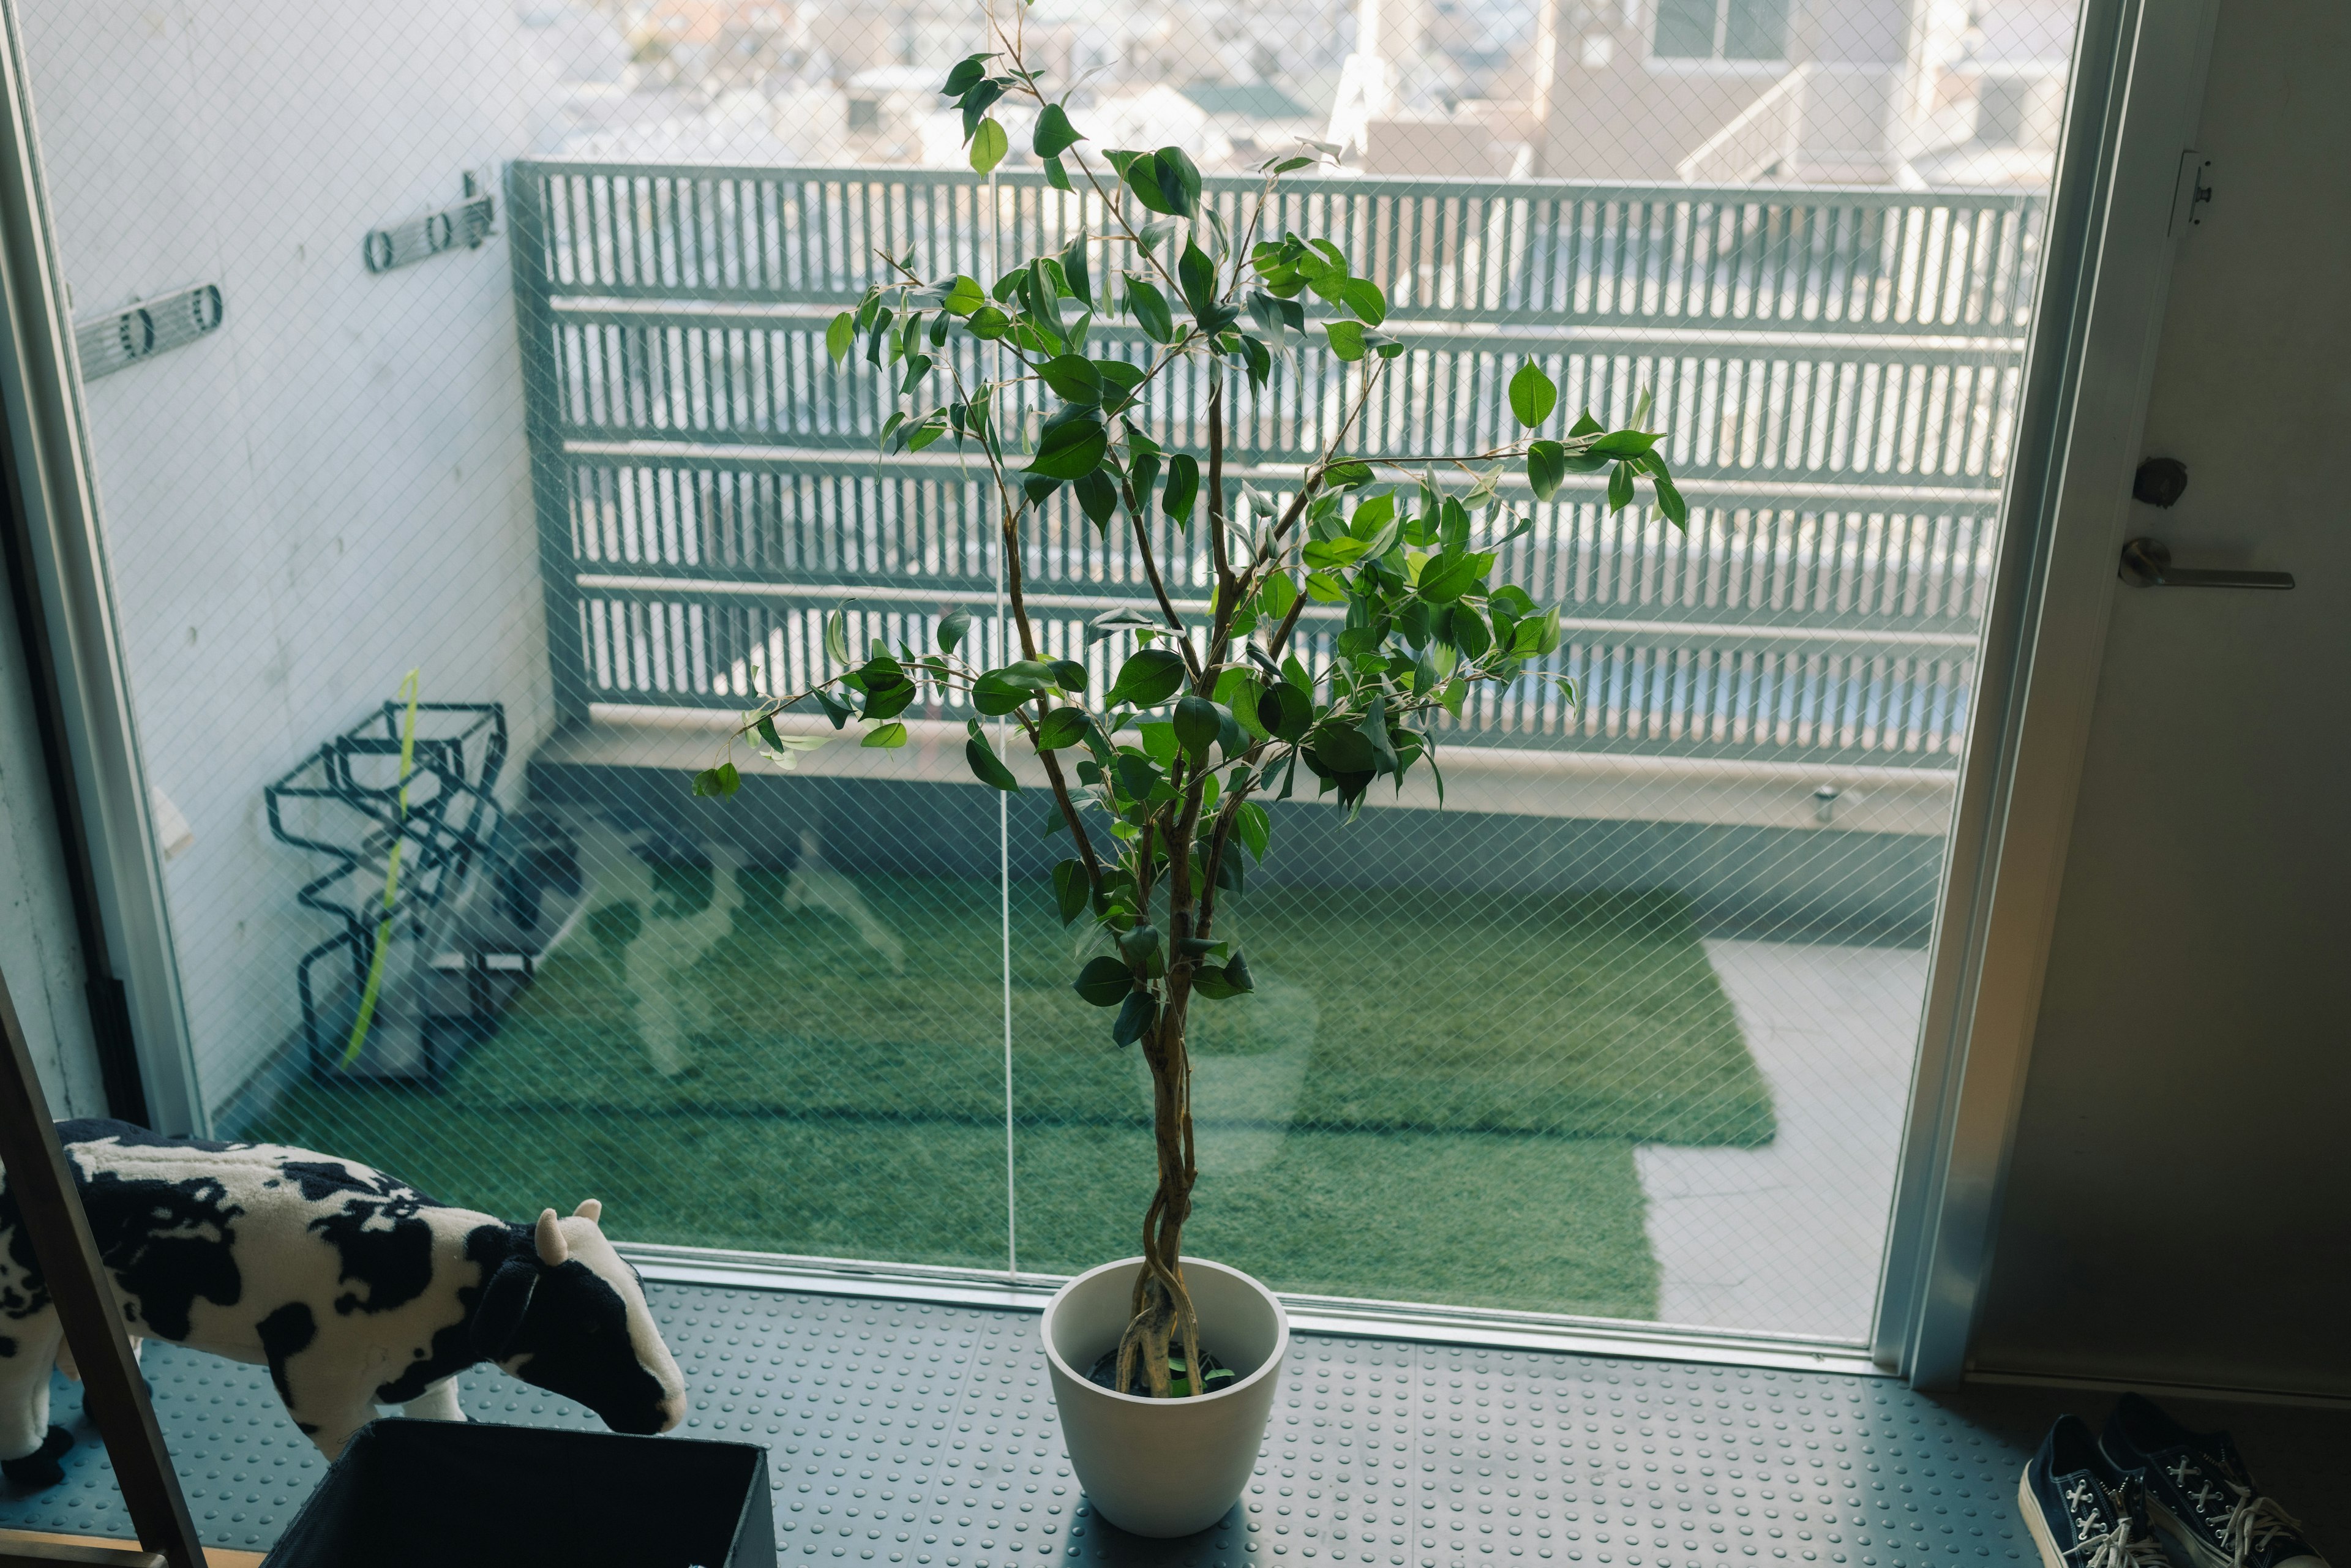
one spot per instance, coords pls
(469, 1494)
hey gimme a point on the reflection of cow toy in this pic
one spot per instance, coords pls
(352, 1288)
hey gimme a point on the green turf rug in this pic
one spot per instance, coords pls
(815, 1064)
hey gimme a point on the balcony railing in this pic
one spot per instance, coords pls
(1839, 369)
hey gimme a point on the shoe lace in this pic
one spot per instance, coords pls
(2254, 1524)
(2120, 1547)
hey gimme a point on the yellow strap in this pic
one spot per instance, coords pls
(391, 880)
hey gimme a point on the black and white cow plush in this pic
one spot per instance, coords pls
(354, 1289)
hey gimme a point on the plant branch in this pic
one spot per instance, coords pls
(1142, 530)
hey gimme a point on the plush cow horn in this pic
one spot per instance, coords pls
(590, 1209)
(551, 1250)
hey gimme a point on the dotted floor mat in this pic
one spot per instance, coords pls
(909, 1433)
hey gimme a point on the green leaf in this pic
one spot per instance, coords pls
(1532, 395)
(1286, 710)
(1057, 176)
(1347, 475)
(1669, 500)
(1071, 889)
(953, 627)
(1346, 339)
(964, 297)
(1141, 172)
(840, 337)
(1179, 182)
(1279, 593)
(1142, 946)
(1546, 468)
(993, 694)
(1070, 447)
(834, 708)
(1330, 554)
(1197, 721)
(1055, 135)
(1537, 636)
(1209, 981)
(886, 738)
(1063, 727)
(1119, 381)
(1126, 618)
(836, 635)
(1465, 630)
(1447, 576)
(988, 323)
(887, 696)
(1068, 674)
(1237, 974)
(1097, 494)
(1183, 487)
(1619, 487)
(1134, 1019)
(1363, 297)
(1625, 443)
(719, 782)
(1149, 677)
(984, 765)
(1072, 377)
(988, 146)
(1254, 828)
(967, 74)
(1149, 307)
(975, 102)
(1197, 275)
(1342, 747)
(1105, 981)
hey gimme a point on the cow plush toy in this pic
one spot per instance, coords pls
(354, 1289)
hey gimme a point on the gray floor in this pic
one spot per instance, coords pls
(918, 1434)
(1787, 1239)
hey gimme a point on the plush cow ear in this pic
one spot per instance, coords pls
(590, 1209)
(552, 1251)
(505, 1300)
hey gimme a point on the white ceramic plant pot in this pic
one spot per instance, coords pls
(1165, 1467)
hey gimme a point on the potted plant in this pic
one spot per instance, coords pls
(1164, 1368)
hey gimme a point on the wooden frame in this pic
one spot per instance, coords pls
(114, 1393)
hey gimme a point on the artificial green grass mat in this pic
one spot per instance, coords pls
(1431, 1096)
(1531, 1224)
(1591, 1016)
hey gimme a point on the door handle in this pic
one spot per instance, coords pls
(2147, 563)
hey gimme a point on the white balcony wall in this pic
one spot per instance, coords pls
(331, 489)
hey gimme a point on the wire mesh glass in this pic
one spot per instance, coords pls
(470, 459)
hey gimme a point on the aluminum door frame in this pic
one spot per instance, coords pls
(56, 485)
(2134, 98)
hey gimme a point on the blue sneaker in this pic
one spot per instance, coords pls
(2081, 1512)
(2198, 1489)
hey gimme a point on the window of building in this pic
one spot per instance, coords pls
(1721, 30)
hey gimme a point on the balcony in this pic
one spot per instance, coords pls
(1685, 913)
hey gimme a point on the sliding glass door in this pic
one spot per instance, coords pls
(472, 459)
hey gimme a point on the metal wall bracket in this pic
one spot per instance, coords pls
(144, 328)
(465, 225)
